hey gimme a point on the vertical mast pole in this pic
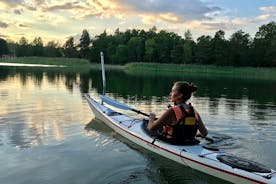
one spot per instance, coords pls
(103, 73)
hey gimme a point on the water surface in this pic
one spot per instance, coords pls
(49, 135)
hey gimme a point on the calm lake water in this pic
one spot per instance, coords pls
(48, 134)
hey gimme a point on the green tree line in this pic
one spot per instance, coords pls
(159, 47)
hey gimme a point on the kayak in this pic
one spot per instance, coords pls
(199, 156)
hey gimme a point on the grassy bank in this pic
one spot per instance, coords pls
(107, 67)
(203, 70)
(68, 62)
(81, 65)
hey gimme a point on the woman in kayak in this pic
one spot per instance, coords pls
(180, 123)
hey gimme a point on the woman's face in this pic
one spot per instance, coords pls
(175, 95)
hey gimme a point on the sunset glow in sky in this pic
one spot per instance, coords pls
(59, 19)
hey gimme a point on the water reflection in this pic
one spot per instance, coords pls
(40, 108)
(125, 84)
(37, 108)
(253, 100)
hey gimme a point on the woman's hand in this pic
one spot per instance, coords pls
(151, 120)
(152, 117)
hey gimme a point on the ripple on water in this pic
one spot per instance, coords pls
(170, 172)
(126, 174)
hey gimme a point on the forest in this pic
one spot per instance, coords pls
(153, 46)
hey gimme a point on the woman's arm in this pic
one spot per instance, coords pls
(166, 117)
(201, 127)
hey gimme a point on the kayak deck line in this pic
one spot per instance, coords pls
(196, 156)
(204, 155)
(271, 175)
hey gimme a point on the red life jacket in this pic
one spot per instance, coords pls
(185, 127)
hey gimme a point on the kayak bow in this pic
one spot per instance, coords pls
(211, 161)
(120, 105)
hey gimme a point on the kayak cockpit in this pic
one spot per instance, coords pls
(110, 112)
(158, 134)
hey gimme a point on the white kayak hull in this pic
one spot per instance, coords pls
(195, 156)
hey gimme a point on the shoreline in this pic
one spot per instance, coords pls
(146, 68)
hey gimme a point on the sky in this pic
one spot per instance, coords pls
(57, 20)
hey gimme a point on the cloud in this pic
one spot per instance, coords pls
(3, 25)
(184, 10)
(3, 36)
(52, 19)
(64, 6)
(23, 26)
(163, 10)
(18, 12)
(12, 3)
(150, 11)
(67, 17)
(39, 1)
(269, 9)
(263, 17)
(78, 10)
(213, 26)
(241, 21)
(29, 5)
(260, 19)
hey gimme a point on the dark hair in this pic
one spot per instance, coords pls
(186, 89)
